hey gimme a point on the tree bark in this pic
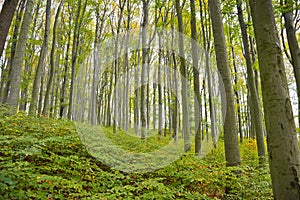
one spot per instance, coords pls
(255, 108)
(230, 134)
(52, 64)
(159, 86)
(38, 72)
(74, 58)
(197, 100)
(144, 67)
(293, 46)
(6, 17)
(17, 23)
(184, 79)
(16, 68)
(284, 155)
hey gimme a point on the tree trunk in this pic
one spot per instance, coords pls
(52, 62)
(17, 23)
(230, 134)
(210, 100)
(137, 90)
(175, 108)
(184, 84)
(255, 108)
(16, 68)
(64, 81)
(74, 58)
(144, 67)
(37, 77)
(197, 100)
(236, 89)
(6, 16)
(284, 155)
(159, 86)
(293, 46)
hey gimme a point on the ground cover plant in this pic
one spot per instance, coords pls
(45, 159)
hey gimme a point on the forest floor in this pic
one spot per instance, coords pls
(45, 159)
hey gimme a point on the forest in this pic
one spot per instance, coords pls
(149, 99)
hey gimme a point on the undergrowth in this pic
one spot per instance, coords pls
(45, 159)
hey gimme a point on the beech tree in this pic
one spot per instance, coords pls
(184, 83)
(16, 68)
(197, 103)
(6, 16)
(284, 155)
(230, 133)
(255, 104)
(37, 79)
(293, 45)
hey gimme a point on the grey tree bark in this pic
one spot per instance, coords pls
(38, 71)
(232, 152)
(197, 103)
(78, 19)
(293, 46)
(6, 16)
(284, 155)
(184, 80)
(255, 104)
(7, 73)
(52, 60)
(144, 68)
(16, 68)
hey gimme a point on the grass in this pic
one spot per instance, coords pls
(46, 159)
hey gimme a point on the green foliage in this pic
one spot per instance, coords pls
(44, 158)
(122, 139)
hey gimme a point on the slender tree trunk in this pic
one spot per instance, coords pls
(52, 62)
(160, 118)
(117, 99)
(293, 46)
(64, 81)
(255, 109)
(16, 68)
(126, 111)
(137, 90)
(175, 109)
(74, 58)
(184, 84)
(40, 103)
(236, 89)
(37, 77)
(144, 68)
(284, 155)
(210, 100)
(197, 103)
(232, 152)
